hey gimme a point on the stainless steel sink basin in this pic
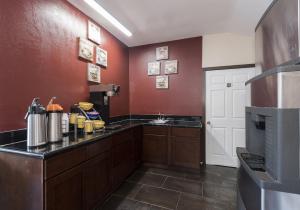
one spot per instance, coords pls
(159, 121)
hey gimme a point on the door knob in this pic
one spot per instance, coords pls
(209, 123)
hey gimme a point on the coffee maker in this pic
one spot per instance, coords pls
(100, 97)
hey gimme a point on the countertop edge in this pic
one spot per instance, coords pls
(94, 139)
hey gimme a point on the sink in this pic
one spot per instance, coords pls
(159, 121)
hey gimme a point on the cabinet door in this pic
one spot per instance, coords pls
(155, 149)
(185, 152)
(65, 191)
(123, 152)
(138, 145)
(96, 180)
(123, 161)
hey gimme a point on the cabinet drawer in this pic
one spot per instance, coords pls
(62, 162)
(185, 132)
(155, 130)
(97, 148)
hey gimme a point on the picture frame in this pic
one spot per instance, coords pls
(86, 49)
(93, 73)
(101, 57)
(171, 67)
(153, 68)
(94, 32)
(162, 53)
(162, 82)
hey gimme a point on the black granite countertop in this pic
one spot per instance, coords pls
(73, 141)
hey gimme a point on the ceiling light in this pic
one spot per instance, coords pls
(107, 16)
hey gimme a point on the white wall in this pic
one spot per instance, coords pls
(227, 49)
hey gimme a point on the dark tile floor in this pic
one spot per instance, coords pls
(214, 188)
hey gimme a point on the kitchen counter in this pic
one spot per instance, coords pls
(72, 141)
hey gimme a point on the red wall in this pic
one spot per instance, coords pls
(38, 57)
(184, 96)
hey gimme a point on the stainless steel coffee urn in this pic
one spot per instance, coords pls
(36, 124)
(54, 114)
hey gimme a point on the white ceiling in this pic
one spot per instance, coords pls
(153, 21)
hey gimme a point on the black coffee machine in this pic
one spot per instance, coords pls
(100, 97)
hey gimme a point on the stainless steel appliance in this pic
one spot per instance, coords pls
(54, 116)
(277, 35)
(269, 175)
(36, 124)
(278, 87)
(270, 163)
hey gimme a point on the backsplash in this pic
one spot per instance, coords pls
(9, 137)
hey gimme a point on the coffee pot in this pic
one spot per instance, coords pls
(54, 113)
(36, 124)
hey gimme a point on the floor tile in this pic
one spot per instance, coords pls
(128, 189)
(225, 172)
(219, 192)
(204, 177)
(213, 179)
(150, 188)
(195, 202)
(181, 185)
(145, 178)
(145, 169)
(119, 203)
(171, 173)
(158, 196)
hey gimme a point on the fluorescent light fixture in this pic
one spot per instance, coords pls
(93, 4)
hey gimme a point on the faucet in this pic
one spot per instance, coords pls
(161, 116)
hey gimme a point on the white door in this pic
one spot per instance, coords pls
(226, 98)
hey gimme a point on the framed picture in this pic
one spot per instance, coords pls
(86, 49)
(94, 32)
(93, 73)
(101, 57)
(162, 82)
(153, 68)
(162, 53)
(171, 67)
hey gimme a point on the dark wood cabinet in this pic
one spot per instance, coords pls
(185, 152)
(65, 191)
(81, 178)
(138, 145)
(185, 147)
(155, 149)
(64, 161)
(96, 180)
(122, 157)
(172, 146)
(155, 145)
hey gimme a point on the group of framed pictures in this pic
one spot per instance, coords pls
(88, 50)
(170, 67)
